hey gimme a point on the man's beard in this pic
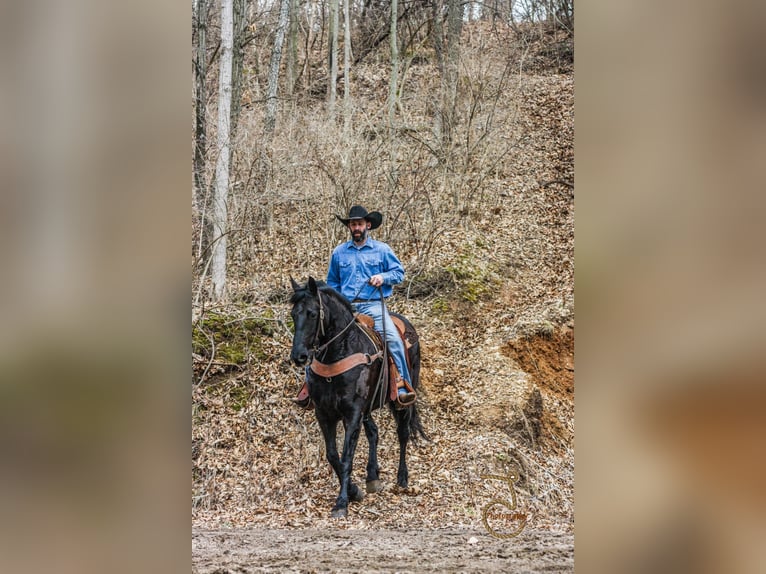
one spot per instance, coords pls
(359, 236)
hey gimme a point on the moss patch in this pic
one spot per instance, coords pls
(474, 275)
(232, 339)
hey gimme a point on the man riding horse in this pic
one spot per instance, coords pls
(362, 270)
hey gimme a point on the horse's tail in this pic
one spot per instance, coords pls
(413, 414)
(415, 424)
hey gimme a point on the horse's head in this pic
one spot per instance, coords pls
(307, 317)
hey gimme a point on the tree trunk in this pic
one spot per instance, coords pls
(276, 58)
(392, 88)
(437, 38)
(346, 67)
(310, 38)
(332, 63)
(392, 178)
(218, 263)
(240, 25)
(200, 124)
(454, 27)
(292, 48)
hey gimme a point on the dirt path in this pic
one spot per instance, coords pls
(222, 551)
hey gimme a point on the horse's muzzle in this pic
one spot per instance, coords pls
(300, 357)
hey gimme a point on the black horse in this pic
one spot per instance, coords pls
(326, 330)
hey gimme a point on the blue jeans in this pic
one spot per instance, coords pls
(394, 340)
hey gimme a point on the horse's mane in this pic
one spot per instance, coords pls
(325, 289)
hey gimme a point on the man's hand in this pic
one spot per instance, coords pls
(376, 280)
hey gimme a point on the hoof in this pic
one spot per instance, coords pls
(356, 494)
(339, 512)
(374, 486)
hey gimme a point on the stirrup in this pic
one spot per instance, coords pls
(404, 400)
(306, 403)
(303, 399)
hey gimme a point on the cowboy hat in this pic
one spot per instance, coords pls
(358, 212)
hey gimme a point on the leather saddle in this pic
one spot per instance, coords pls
(394, 378)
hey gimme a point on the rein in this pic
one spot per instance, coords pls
(320, 328)
(380, 389)
(351, 361)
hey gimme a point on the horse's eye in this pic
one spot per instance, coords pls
(311, 313)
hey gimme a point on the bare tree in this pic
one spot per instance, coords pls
(220, 198)
(346, 67)
(238, 55)
(276, 58)
(437, 39)
(311, 26)
(332, 55)
(447, 57)
(392, 88)
(292, 47)
(454, 29)
(200, 122)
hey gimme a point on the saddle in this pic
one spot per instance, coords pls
(394, 378)
(367, 324)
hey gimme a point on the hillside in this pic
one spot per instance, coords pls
(487, 240)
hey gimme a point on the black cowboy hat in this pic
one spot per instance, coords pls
(358, 212)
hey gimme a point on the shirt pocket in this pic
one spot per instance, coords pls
(373, 264)
(345, 270)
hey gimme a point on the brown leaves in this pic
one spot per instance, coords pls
(490, 254)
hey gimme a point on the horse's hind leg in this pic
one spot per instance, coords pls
(371, 431)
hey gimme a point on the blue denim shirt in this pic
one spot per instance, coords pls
(351, 267)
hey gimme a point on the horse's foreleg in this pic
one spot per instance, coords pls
(403, 432)
(329, 431)
(348, 490)
(373, 479)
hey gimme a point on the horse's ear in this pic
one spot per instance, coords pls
(294, 284)
(312, 285)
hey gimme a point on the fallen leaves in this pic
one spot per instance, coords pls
(501, 272)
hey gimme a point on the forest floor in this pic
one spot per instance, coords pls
(263, 490)
(495, 315)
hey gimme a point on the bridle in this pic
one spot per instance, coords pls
(319, 331)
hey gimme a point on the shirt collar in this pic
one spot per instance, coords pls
(369, 243)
